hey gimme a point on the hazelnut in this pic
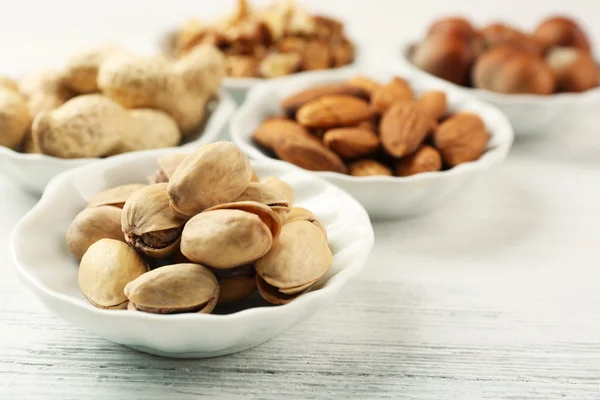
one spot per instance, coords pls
(561, 31)
(501, 34)
(575, 70)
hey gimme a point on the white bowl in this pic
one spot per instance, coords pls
(51, 271)
(561, 113)
(382, 196)
(34, 171)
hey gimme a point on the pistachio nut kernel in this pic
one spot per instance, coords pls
(302, 214)
(116, 196)
(91, 225)
(167, 164)
(296, 261)
(149, 224)
(267, 195)
(105, 268)
(214, 174)
(177, 288)
(282, 187)
(230, 235)
(236, 283)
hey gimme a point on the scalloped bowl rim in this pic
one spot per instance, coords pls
(490, 157)
(500, 98)
(334, 283)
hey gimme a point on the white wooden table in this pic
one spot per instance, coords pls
(494, 296)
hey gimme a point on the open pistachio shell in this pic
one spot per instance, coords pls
(265, 194)
(236, 283)
(215, 173)
(302, 214)
(106, 267)
(229, 236)
(116, 196)
(282, 187)
(272, 295)
(167, 164)
(176, 288)
(149, 224)
(91, 225)
(297, 260)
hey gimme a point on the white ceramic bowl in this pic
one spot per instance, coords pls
(34, 171)
(50, 271)
(382, 196)
(561, 113)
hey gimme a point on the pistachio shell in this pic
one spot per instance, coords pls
(300, 256)
(167, 164)
(214, 174)
(106, 267)
(282, 187)
(265, 194)
(229, 237)
(236, 283)
(271, 294)
(149, 224)
(255, 177)
(174, 288)
(116, 196)
(302, 214)
(91, 225)
(266, 214)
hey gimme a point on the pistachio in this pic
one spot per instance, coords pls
(149, 224)
(106, 267)
(236, 283)
(302, 214)
(296, 261)
(176, 288)
(167, 164)
(255, 177)
(230, 235)
(215, 173)
(282, 187)
(91, 225)
(116, 196)
(265, 194)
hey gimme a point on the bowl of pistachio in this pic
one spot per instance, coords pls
(191, 254)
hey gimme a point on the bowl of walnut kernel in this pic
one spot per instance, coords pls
(265, 43)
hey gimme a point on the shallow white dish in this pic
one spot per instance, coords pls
(382, 196)
(561, 113)
(34, 171)
(50, 271)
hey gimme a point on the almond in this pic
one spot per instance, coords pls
(368, 124)
(333, 111)
(423, 160)
(403, 128)
(274, 129)
(308, 154)
(434, 103)
(368, 167)
(351, 142)
(397, 90)
(293, 103)
(342, 52)
(317, 55)
(461, 138)
(365, 84)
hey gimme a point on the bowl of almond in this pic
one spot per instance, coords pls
(396, 143)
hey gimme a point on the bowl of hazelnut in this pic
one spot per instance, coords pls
(265, 43)
(397, 143)
(545, 81)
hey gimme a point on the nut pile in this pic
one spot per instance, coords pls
(107, 101)
(272, 42)
(362, 127)
(204, 232)
(555, 57)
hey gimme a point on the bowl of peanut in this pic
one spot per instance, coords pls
(396, 143)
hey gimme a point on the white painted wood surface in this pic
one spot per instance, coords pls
(494, 296)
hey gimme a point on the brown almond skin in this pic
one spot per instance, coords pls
(461, 138)
(317, 55)
(365, 84)
(273, 129)
(403, 128)
(351, 142)
(342, 52)
(368, 167)
(291, 104)
(434, 103)
(309, 155)
(333, 111)
(368, 124)
(396, 90)
(425, 159)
